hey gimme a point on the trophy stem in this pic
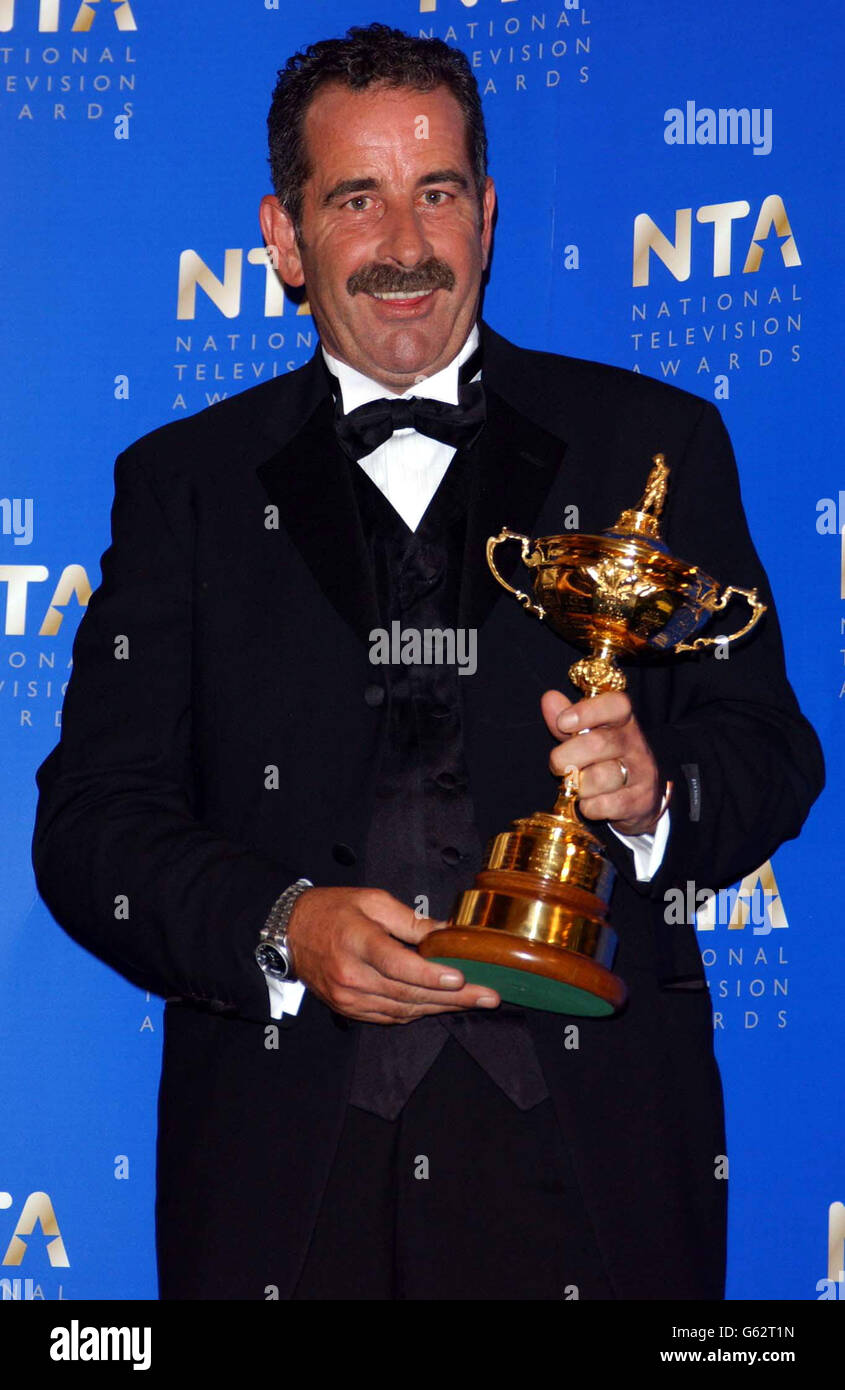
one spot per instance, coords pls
(591, 675)
(594, 674)
(566, 801)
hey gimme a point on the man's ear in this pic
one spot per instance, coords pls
(278, 232)
(488, 209)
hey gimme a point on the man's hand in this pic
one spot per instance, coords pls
(614, 741)
(344, 947)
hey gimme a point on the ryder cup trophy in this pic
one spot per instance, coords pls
(533, 926)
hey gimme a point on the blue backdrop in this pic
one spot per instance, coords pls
(637, 226)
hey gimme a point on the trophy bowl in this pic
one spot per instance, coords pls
(534, 925)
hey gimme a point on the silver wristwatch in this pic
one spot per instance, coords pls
(272, 952)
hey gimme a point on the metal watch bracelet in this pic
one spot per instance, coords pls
(273, 952)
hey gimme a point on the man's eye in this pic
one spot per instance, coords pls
(357, 203)
(435, 196)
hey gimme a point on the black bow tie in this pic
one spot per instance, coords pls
(368, 426)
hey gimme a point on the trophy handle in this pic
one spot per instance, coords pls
(757, 611)
(492, 542)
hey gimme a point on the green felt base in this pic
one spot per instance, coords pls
(530, 990)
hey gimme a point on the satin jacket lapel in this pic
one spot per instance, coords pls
(519, 463)
(308, 480)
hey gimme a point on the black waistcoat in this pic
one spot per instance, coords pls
(422, 844)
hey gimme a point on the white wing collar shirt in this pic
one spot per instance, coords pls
(409, 467)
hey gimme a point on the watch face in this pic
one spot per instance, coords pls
(272, 961)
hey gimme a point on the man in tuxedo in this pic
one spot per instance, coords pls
(287, 819)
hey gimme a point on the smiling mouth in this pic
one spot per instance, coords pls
(401, 294)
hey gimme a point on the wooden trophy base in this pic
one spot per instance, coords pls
(526, 972)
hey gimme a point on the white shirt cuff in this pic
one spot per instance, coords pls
(285, 996)
(648, 850)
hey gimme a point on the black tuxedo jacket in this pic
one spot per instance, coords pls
(217, 745)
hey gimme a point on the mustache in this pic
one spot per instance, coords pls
(432, 274)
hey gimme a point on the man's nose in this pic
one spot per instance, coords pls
(403, 236)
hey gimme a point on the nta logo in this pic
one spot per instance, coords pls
(73, 583)
(677, 255)
(225, 294)
(37, 1211)
(86, 13)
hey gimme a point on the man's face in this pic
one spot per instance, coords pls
(390, 207)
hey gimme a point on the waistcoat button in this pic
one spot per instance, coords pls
(374, 695)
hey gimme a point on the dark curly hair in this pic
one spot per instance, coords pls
(368, 55)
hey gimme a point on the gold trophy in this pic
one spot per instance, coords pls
(533, 926)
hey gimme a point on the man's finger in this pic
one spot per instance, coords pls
(604, 779)
(380, 977)
(553, 704)
(588, 749)
(415, 929)
(611, 709)
(401, 921)
(380, 906)
(403, 1000)
(393, 961)
(410, 978)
